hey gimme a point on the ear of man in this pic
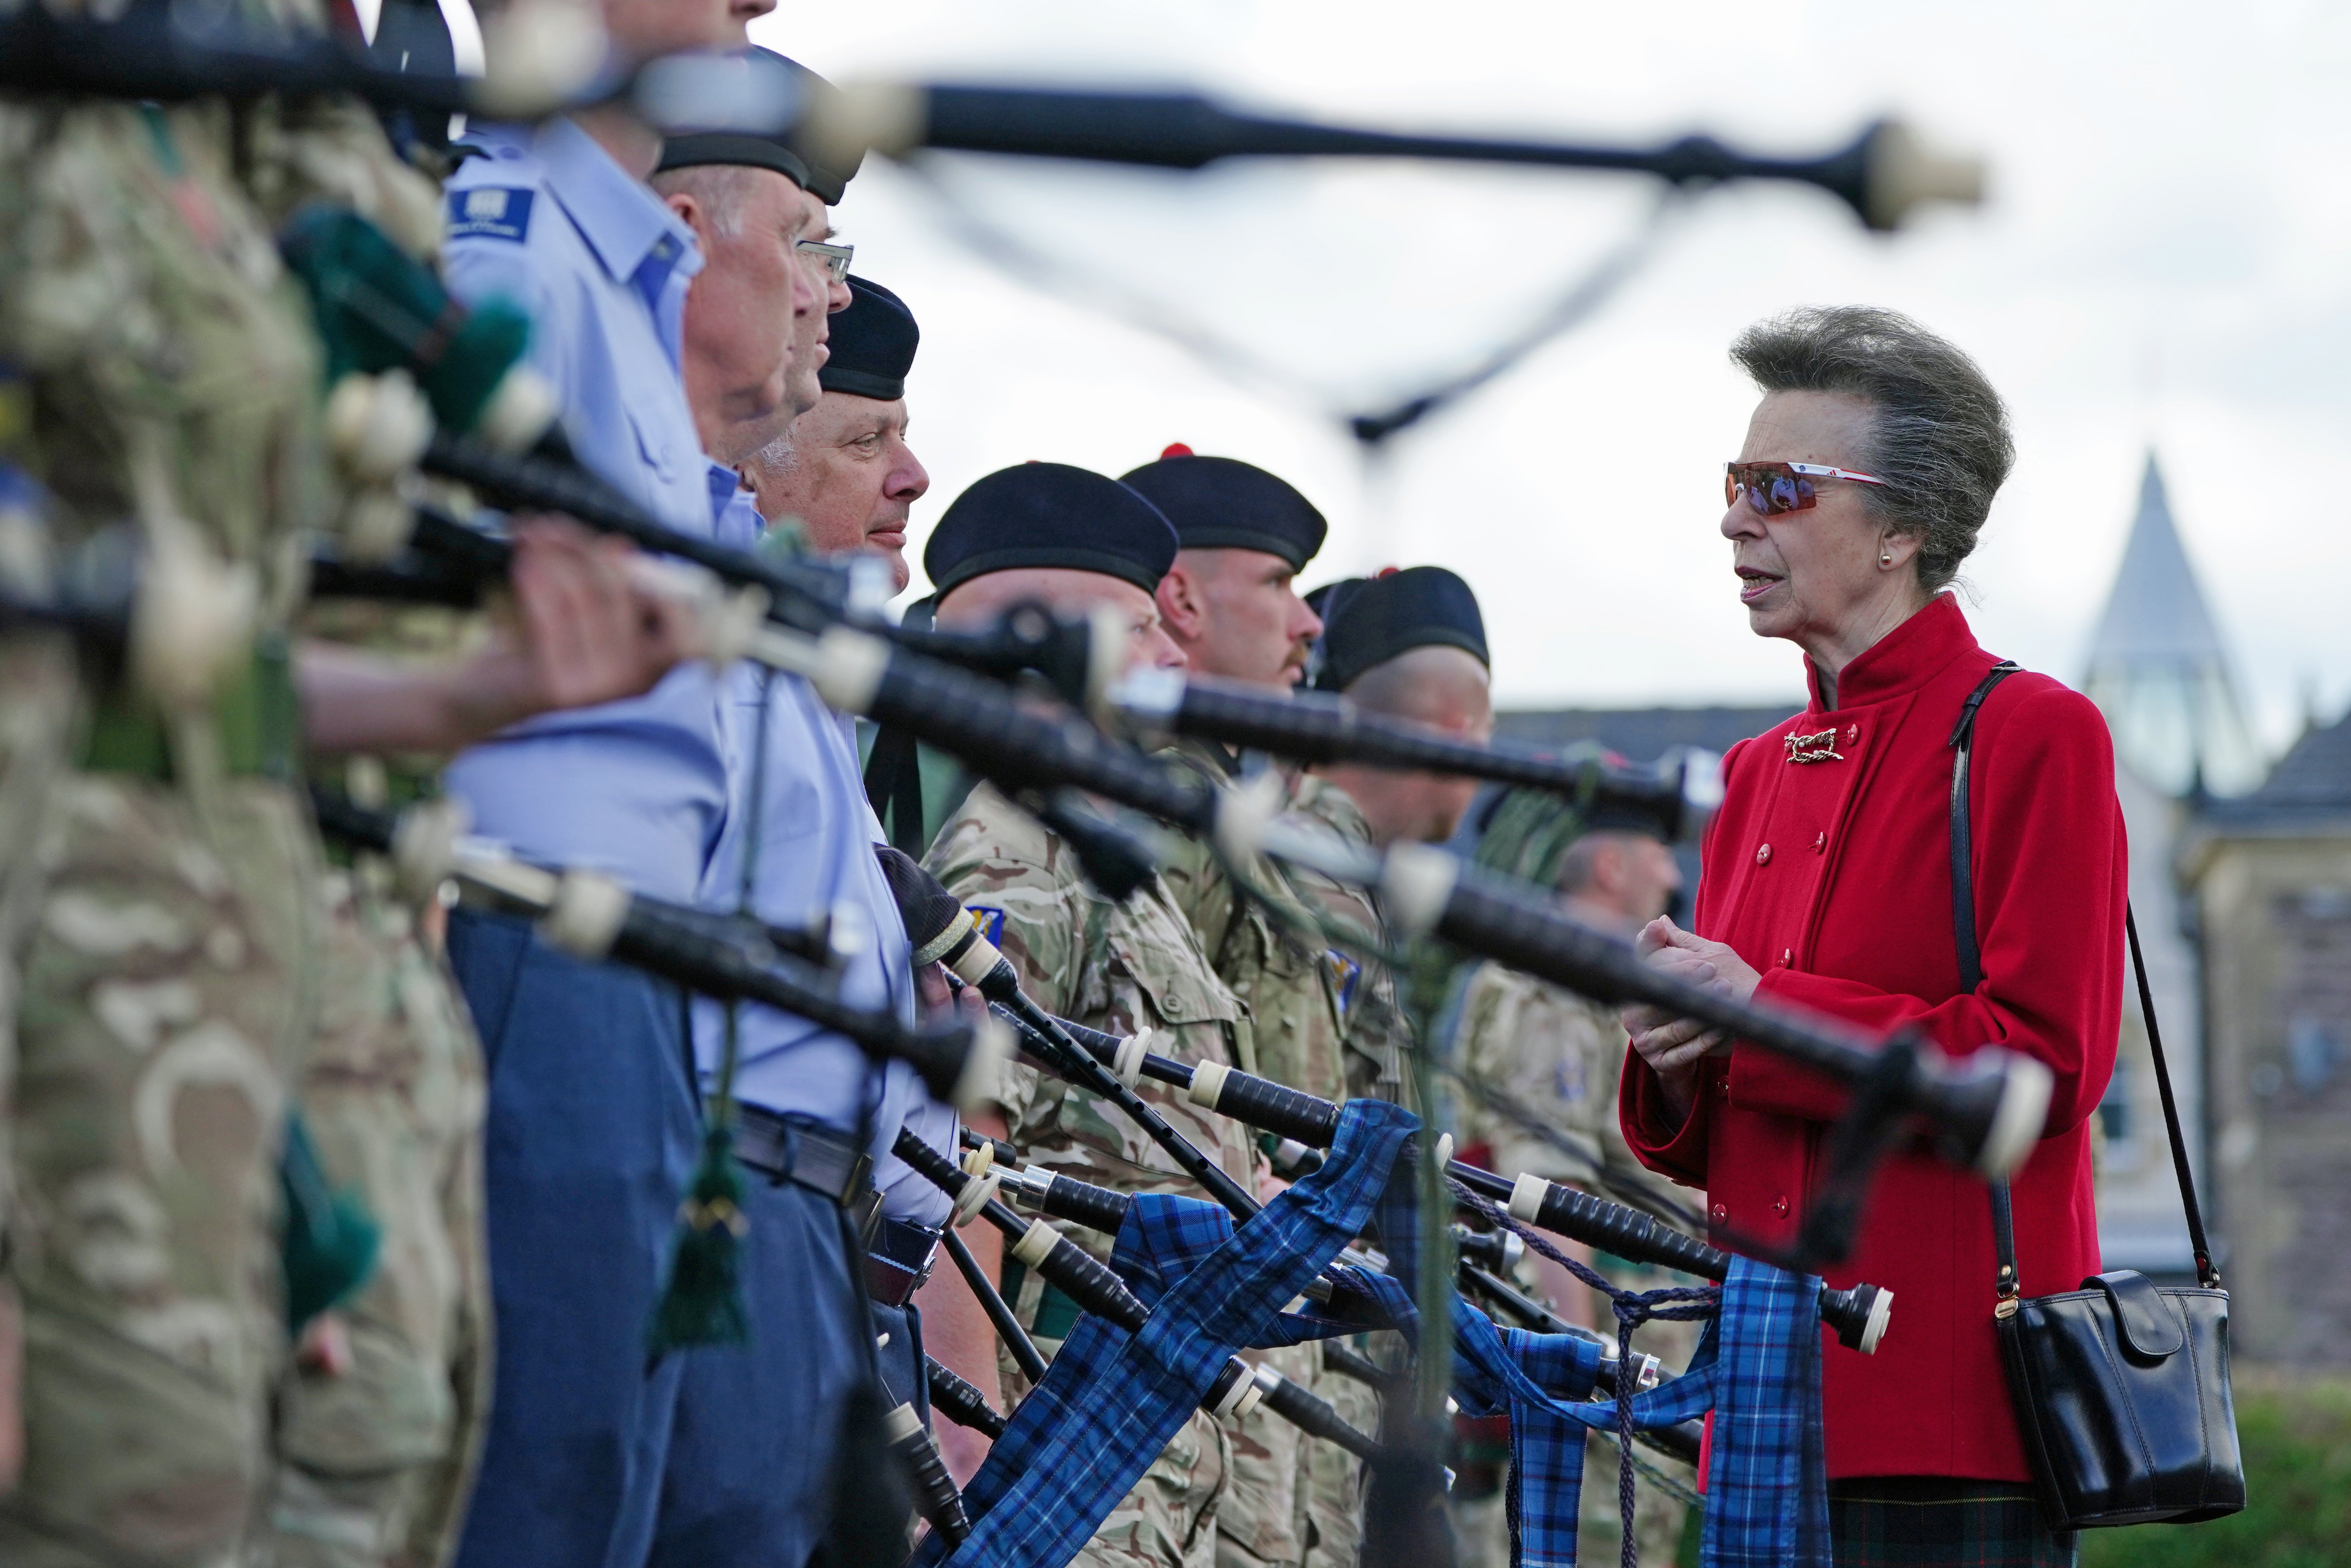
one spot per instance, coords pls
(1183, 603)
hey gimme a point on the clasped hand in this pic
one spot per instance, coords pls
(1672, 1045)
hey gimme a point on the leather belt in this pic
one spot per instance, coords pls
(790, 1148)
(898, 1259)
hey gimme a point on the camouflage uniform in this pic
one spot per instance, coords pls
(1120, 968)
(375, 1465)
(1560, 1054)
(165, 952)
(1324, 1020)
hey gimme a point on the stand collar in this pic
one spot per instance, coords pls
(1905, 657)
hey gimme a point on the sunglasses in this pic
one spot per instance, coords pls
(836, 258)
(1773, 488)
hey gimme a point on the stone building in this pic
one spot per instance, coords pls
(2269, 876)
(2159, 670)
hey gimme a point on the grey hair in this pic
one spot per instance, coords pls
(723, 190)
(1938, 437)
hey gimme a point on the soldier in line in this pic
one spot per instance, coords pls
(1231, 603)
(166, 923)
(1076, 541)
(1559, 1055)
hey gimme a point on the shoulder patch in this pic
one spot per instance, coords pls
(990, 922)
(490, 213)
(1344, 972)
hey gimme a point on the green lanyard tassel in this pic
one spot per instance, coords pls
(330, 1241)
(704, 1301)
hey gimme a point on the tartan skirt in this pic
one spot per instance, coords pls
(1937, 1521)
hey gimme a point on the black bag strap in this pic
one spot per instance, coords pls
(1963, 926)
(2207, 1274)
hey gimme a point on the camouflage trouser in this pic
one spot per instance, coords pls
(375, 1465)
(1169, 1518)
(1333, 1484)
(162, 1002)
(1261, 1523)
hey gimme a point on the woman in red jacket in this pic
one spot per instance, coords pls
(1868, 469)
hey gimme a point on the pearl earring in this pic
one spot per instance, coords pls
(1886, 557)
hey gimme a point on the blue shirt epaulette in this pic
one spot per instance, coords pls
(543, 217)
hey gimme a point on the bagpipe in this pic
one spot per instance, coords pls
(1860, 1314)
(1317, 727)
(592, 917)
(1882, 175)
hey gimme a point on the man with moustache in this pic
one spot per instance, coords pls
(1231, 603)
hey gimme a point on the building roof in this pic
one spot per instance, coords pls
(1642, 734)
(2159, 668)
(2311, 787)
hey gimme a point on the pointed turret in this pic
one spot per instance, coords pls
(2159, 668)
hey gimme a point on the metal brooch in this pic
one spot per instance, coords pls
(1815, 748)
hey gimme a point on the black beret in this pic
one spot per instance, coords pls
(1221, 503)
(873, 342)
(1367, 621)
(826, 180)
(1049, 514)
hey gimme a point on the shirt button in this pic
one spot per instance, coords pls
(1719, 1214)
(1820, 842)
(1762, 855)
(1780, 1206)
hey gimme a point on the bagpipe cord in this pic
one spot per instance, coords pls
(1675, 1304)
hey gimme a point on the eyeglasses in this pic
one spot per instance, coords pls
(1772, 488)
(836, 258)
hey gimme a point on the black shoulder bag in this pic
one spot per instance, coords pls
(2121, 1387)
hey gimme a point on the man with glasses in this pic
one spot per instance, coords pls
(755, 326)
(814, 1118)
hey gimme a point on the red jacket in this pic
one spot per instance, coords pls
(1833, 879)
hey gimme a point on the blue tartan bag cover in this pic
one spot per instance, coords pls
(1110, 1401)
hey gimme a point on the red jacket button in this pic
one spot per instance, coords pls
(1820, 842)
(1780, 1206)
(1787, 957)
(1763, 855)
(1719, 1213)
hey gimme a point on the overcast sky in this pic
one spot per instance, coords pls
(2166, 259)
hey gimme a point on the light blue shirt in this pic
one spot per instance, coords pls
(813, 854)
(547, 219)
